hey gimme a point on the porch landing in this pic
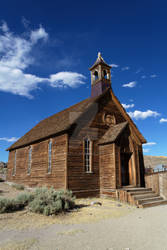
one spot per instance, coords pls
(138, 196)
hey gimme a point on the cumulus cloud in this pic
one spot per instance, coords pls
(63, 79)
(12, 139)
(129, 85)
(15, 57)
(127, 106)
(114, 65)
(125, 68)
(149, 144)
(163, 120)
(143, 114)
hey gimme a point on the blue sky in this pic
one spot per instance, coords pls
(46, 48)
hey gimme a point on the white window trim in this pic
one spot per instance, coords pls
(49, 157)
(89, 166)
(15, 161)
(29, 160)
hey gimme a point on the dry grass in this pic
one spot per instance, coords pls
(85, 214)
(24, 219)
(7, 191)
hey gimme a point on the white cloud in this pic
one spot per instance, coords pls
(114, 65)
(15, 57)
(130, 84)
(163, 120)
(143, 114)
(126, 106)
(12, 139)
(125, 68)
(63, 79)
(146, 150)
(153, 76)
(4, 27)
(38, 34)
(143, 77)
(149, 144)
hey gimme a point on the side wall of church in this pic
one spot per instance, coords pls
(89, 184)
(39, 175)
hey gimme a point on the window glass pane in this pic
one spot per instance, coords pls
(87, 151)
(14, 167)
(49, 156)
(29, 160)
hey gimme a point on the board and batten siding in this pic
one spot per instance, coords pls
(39, 175)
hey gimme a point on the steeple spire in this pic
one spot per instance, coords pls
(100, 76)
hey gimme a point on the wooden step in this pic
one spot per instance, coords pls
(137, 189)
(152, 204)
(141, 192)
(151, 199)
(144, 196)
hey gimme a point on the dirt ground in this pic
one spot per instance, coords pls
(111, 226)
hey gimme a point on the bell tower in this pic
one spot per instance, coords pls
(100, 76)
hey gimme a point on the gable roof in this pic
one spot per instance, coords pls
(62, 121)
(112, 133)
(52, 125)
(56, 123)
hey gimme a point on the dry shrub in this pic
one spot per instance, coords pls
(50, 201)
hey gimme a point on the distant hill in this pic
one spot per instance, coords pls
(153, 161)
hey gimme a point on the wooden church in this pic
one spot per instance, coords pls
(91, 148)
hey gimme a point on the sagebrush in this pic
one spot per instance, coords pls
(9, 205)
(51, 201)
(43, 200)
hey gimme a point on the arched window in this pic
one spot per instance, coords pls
(15, 160)
(88, 155)
(96, 75)
(50, 156)
(29, 160)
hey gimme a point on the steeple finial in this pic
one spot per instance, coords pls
(100, 57)
(99, 54)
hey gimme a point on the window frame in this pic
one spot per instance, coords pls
(29, 160)
(15, 163)
(88, 155)
(49, 170)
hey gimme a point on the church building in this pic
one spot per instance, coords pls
(92, 148)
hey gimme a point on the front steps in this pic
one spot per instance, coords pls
(141, 197)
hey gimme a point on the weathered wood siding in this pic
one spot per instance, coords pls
(82, 183)
(158, 183)
(107, 167)
(39, 175)
(91, 126)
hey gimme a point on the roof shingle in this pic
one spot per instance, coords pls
(112, 134)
